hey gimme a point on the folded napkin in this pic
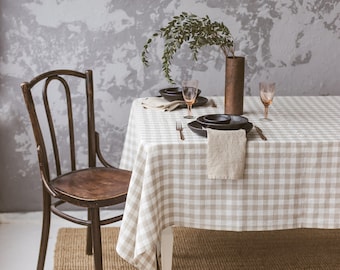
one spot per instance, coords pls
(226, 153)
(161, 103)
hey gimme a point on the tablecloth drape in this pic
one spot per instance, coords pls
(292, 180)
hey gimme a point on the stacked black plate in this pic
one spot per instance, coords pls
(175, 93)
(221, 122)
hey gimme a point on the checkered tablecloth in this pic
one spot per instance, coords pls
(292, 180)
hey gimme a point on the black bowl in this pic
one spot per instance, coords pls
(236, 122)
(221, 119)
(174, 93)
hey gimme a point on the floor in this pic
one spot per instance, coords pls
(20, 238)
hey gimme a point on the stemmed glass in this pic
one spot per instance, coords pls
(267, 92)
(189, 92)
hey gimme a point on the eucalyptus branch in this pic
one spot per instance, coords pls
(196, 31)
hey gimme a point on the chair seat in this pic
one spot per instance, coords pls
(94, 186)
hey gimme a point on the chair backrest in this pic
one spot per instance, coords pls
(53, 100)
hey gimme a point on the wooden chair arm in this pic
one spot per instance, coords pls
(43, 174)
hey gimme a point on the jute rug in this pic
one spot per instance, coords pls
(201, 249)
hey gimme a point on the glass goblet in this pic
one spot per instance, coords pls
(267, 92)
(189, 92)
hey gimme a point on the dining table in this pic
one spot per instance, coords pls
(290, 180)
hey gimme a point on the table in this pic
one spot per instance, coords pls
(292, 180)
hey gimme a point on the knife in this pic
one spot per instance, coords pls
(259, 131)
(213, 103)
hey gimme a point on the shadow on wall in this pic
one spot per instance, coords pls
(282, 41)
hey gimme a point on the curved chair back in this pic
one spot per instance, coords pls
(56, 99)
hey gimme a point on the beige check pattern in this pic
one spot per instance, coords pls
(292, 180)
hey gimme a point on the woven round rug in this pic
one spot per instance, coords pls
(194, 249)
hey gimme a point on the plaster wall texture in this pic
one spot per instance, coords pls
(292, 42)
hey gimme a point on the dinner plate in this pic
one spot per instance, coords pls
(235, 122)
(174, 93)
(200, 101)
(201, 130)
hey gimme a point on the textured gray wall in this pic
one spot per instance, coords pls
(293, 42)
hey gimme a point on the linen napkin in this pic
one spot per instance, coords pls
(161, 103)
(226, 153)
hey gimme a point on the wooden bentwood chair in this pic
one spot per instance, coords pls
(90, 186)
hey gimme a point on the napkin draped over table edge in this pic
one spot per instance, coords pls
(226, 154)
(161, 103)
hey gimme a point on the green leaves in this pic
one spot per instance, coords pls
(197, 32)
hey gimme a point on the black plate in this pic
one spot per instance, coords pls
(200, 130)
(236, 122)
(221, 119)
(200, 101)
(174, 93)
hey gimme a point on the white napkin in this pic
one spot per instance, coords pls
(226, 153)
(161, 103)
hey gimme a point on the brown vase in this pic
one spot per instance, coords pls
(234, 85)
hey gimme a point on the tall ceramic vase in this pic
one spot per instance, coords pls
(234, 85)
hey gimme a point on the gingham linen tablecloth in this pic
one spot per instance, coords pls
(292, 180)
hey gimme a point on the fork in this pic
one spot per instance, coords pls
(180, 129)
(260, 132)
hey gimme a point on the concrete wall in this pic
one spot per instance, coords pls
(293, 42)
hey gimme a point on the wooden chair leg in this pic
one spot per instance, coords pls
(45, 231)
(89, 247)
(96, 238)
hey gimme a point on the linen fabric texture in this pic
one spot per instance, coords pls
(226, 153)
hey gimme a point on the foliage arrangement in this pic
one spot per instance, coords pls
(196, 31)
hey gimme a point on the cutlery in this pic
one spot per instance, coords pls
(213, 104)
(180, 129)
(260, 132)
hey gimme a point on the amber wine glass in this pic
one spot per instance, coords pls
(267, 92)
(189, 92)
